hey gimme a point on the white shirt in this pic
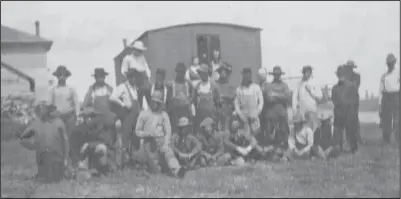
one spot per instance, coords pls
(193, 69)
(389, 82)
(121, 95)
(302, 99)
(304, 137)
(137, 62)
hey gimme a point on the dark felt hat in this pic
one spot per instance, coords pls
(100, 72)
(307, 68)
(351, 64)
(62, 71)
(277, 71)
(180, 67)
(246, 70)
(391, 58)
(161, 71)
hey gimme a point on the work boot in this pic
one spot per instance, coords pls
(181, 172)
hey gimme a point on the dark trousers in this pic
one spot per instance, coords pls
(389, 116)
(144, 90)
(277, 131)
(345, 120)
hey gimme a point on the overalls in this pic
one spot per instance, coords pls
(227, 95)
(249, 107)
(180, 105)
(205, 106)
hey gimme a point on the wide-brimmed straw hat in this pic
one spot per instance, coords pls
(276, 71)
(207, 122)
(203, 68)
(350, 64)
(183, 121)
(137, 45)
(61, 71)
(100, 72)
(391, 58)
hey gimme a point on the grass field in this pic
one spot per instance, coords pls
(372, 172)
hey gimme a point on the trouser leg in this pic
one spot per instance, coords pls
(387, 117)
(284, 132)
(351, 132)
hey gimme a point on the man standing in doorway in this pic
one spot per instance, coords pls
(306, 97)
(389, 106)
(136, 59)
(65, 98)
(249, 102)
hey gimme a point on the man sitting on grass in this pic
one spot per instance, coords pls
(300, 142)
(98, 148)
(50, 142)
(185, 145)
(241, 144)
(324, 145)
(212, 144)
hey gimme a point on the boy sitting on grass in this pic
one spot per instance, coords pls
(300, 141)
(212, 144)
(325, 146)
(241, 145)
(50, 142)
(186, 146)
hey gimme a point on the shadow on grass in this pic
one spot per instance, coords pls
(361, 175)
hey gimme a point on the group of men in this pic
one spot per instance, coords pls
(181, 125)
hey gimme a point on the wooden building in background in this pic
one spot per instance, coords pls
(239, 45)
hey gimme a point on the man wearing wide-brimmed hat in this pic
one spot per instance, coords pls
(135, 59)
(179, 99)
(277, 97)
(355, 78)
(307, 96)
(154, 129)
(65, 98)
(344, 96)
(389, 101)
(206, 97)
(227, 95)
(98, 93)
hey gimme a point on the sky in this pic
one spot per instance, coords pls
(87, 35)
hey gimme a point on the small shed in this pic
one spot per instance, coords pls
(239, 45)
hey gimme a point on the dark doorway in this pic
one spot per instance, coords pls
(206, 45)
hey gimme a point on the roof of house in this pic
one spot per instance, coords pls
(192, 24)
(11, 35)
(18, 72)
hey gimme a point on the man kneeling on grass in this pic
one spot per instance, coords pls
(212, 144)
(154, 129)
(241, 144)
(185, 145)
(300, 142)
(50, 142)
(98, 148)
